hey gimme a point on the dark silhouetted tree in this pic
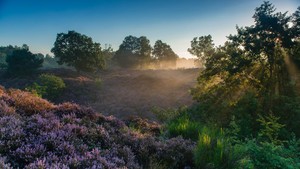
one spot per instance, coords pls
(23, 62)
(133, 52)
(79, 51)
(264, 42)
(145, 50)
(164, 54)
(294, 52)
(296, 23)
(252, 60)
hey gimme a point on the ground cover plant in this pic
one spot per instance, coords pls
(38, 134)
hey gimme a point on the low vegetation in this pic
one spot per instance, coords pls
(47, 86)
(37, 134)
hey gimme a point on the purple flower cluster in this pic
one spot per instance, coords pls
(37, 134)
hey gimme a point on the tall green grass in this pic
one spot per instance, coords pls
(185, 127)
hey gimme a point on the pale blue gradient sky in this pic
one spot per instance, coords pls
(176, 22)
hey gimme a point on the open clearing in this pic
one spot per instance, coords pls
(125, 93)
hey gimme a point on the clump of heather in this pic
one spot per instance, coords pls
(34, 133)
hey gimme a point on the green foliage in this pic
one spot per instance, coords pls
(296, 23)
(233, 131)
(3, 66)
(48, 86)
(133, 52)
(294, 53)
(164, 54)
(184, 126)
(22, 62)
(213, 150)
(264, 42)
(288, 109)
(246, 112)
(270, 128)
(248, 76)
(98, 82)
(108, 54)
(268, 155)
(202, 47)
(6, 51)
(79, 51)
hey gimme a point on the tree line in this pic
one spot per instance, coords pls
(82, 53)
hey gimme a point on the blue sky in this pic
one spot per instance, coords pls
(176, 22)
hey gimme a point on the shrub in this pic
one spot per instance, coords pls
(48, 86)
(28, 103)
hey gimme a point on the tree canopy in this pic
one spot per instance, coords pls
(249, 69)
(202, 47)
(133, 52)
(79, 51)
(162, 52)
(22, 62)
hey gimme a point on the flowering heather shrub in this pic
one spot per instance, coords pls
(5, 109)
(144, 125)
(2, 91)
(4, 164)
(28, 103)
(36, 134)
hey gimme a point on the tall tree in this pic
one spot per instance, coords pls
(164, 54)
(145, 50)
(296, 23)
(264, 41)
(79, 51)
(252, 60)
(22, 62)
(294, 52)
(133, 52)
(127, 54)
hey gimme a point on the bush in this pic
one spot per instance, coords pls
(25, 102)
(48, 86)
